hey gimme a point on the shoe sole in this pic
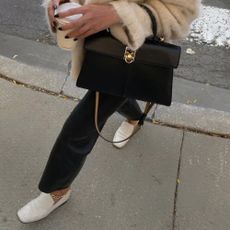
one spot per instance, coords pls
(44, 216)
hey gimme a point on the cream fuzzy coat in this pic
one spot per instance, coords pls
(173, 22)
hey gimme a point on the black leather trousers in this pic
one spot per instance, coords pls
(78, 137)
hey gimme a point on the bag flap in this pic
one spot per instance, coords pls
(152, 52)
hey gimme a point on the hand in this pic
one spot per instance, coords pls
(53, 4)
(95, 18)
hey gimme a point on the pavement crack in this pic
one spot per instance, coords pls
(177, 183)
(205, 82)
(66, 78)
(191, 129)
(38, 89)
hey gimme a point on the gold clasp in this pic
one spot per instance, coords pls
(129, 55)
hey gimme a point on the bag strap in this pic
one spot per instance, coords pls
(148, 107)
(153, 19)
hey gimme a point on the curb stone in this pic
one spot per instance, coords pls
(181, 115)
(194, 117)
(32, 75)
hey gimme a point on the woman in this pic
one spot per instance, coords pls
(129, 23)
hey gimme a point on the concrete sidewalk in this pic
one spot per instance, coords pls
(165, 178)
(173, 175)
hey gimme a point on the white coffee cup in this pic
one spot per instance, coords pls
(66, 44)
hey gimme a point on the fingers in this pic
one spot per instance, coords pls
(64, 1)
(80, 32)
(53, 5)
(56, 3)
(86, 34)
(73, 11)
(75, 24)
(51, 15)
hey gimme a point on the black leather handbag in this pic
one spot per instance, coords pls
(145, 74)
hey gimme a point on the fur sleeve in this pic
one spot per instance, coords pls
(136, 24)
(173, 20)
(174, 16)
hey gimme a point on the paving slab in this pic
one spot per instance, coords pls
(197, 118)
(202, 95)
(34, 53)
(203, 196)
(36, 76)
(209, 64)
(132, 188)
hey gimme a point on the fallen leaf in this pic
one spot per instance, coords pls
(190, 51)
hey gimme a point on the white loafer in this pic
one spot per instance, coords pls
(124, 131)
(40, 207)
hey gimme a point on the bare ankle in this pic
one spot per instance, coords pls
(133, 122)
(58, 194)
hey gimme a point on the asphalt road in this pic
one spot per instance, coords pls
(25, 18)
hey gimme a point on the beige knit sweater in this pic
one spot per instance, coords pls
(173, 22)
